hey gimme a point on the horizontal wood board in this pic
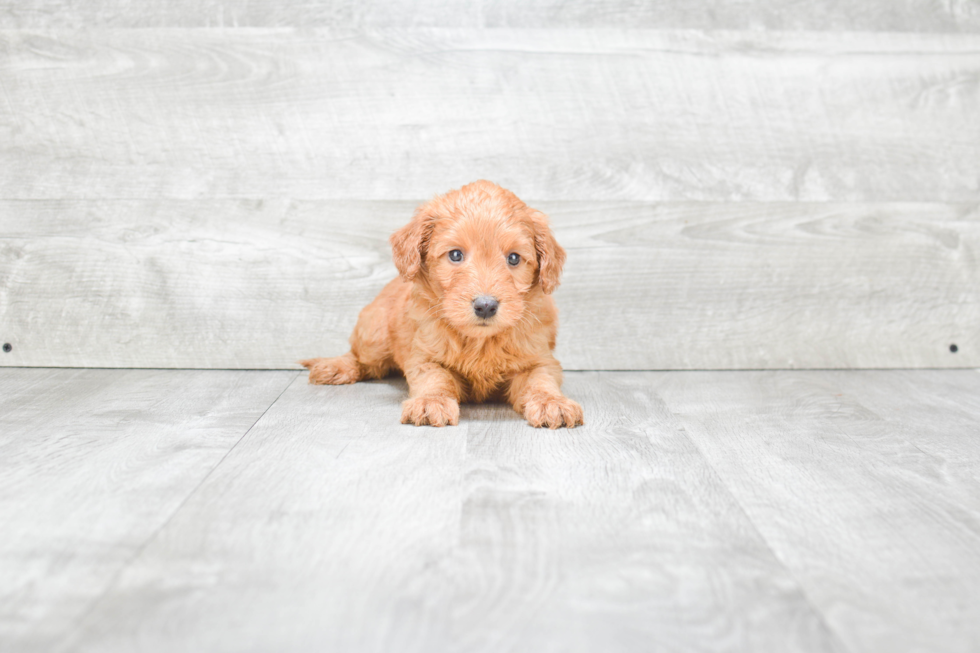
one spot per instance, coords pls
(92, 464)
(261, 284)
(333, 528)
(554, 114)
(870, 15)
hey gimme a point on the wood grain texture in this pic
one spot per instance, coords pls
(261, 284)
(696, 511)
(870, 506)
(873, 15)
(321, 533)
(333, 528)
(942, 422)
(553, 114)
(92, 464)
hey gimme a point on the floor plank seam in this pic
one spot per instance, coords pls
(66, 643)
(789, 572)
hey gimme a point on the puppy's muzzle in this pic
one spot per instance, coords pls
(485, 306)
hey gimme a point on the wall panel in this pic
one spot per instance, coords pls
(830, 15)
(261, 284)
(553, 114)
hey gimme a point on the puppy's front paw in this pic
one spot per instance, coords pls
(553, 412)
(432, 410)
(333, 371)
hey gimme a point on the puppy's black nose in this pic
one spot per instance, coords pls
(485, 306)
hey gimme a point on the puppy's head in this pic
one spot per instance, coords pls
(479, 252)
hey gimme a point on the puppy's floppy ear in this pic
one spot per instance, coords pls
(551, 255)
(409, 244)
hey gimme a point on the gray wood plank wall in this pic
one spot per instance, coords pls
(259, 284)
(551, 114)
(836, 15)
(784, 185)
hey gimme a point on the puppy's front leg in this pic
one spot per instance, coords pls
(434, 395)
(536, 394)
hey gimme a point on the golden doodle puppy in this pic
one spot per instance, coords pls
(470, 317)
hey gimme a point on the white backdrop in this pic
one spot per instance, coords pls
(763, 184)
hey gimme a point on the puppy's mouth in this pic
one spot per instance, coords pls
(485, 325)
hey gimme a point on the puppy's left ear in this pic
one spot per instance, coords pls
(551, 255)
(409, 244)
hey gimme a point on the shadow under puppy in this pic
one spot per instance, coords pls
(470, 317)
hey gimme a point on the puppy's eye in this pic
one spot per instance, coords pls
(514, 258)
(456, 255)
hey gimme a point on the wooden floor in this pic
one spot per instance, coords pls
(148, 510)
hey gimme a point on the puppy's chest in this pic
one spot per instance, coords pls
(485, 366)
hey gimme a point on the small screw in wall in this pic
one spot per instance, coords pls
(952, 348)
(7, 347)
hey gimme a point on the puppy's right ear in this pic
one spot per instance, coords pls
(409, 244)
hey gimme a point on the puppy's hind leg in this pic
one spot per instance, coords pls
(334, 371)
(369, 356)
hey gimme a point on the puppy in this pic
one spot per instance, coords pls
(470, 317)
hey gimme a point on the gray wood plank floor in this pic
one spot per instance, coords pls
(92, 464)
(148, 510)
